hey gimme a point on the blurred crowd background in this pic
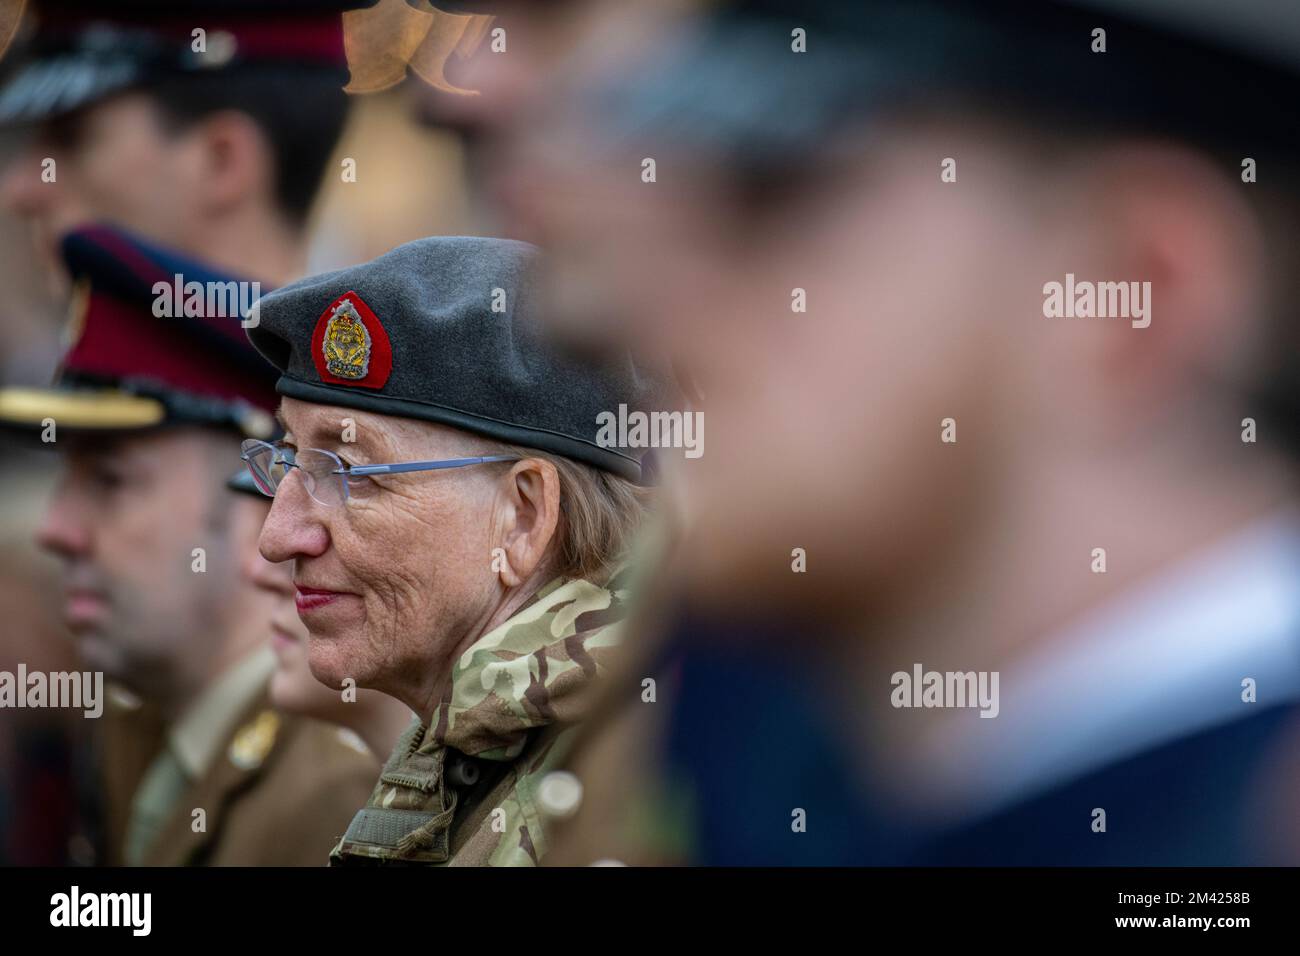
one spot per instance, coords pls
(412, 183)
(823, 171)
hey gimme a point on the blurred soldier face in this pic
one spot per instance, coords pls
(924, 302)
(293, 688)
(125, 520)
(833, 413)
(113, 161)
(826, 423)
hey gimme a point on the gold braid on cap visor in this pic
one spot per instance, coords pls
(109, 408)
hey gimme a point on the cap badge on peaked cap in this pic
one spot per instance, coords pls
(350, 346)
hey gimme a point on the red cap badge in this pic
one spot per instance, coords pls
(349, 345)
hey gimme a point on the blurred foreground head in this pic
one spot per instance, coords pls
(860, 224)
(514, 60)
(205, 126)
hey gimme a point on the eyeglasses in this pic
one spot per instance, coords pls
(324, 475)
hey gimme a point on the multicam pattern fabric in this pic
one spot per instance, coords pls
(463, 789)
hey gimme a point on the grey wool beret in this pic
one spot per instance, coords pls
(446, 330)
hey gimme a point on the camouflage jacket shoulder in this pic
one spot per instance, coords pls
(463, 790)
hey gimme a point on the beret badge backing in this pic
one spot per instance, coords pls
(350, 346)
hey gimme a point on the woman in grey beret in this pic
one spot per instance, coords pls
(455, 525)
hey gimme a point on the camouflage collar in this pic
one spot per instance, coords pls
(530, 671)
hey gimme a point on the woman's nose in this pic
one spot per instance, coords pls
(293, 527)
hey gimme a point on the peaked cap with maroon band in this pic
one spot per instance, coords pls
(154, 339)
(82, 51)
(446, 330)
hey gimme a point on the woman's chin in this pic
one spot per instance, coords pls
(328, 665)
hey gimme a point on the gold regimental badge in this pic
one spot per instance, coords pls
(254, 741)
(347, 343)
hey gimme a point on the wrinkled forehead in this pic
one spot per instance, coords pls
(331, 426)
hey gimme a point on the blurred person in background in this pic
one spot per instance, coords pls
(517, 64)
(369, 718)
(40, 824)
(146, 410)
(204, 126)
(858, 216)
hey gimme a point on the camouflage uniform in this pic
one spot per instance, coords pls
(464, 790)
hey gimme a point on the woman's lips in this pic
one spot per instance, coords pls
(313, 599)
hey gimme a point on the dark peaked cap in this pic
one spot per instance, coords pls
(413, 334)
(126, 367)
(83, 51)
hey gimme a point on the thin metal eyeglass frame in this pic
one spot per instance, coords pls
(251, 445)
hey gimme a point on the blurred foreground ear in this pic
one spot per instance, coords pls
(1180, 234)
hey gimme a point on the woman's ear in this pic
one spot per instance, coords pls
(528, 519)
